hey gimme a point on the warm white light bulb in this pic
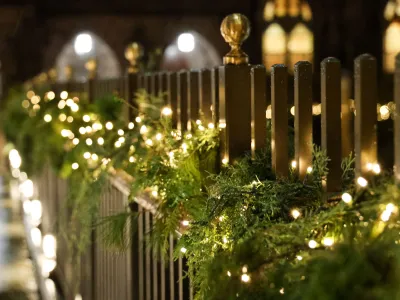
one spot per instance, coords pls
(328, 241)
(309, 170)
(361, 181)
(294, 164)
(86, 118)
(295, 213)
(83, 44)
(109, 125)
(87, 155)
(245, 278)
(312, 244)
(166, 111)
(185, 223)
(75, 166)
(47, 118)
(49, 245)
(158, 136)
(138, 119)
(347, 198)
(131, 125)
(143, 129)
(89, 142)
(183, 250)
(100, 141)
(186, 42)
(120, 132)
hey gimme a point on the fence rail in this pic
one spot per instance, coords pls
(234, 97)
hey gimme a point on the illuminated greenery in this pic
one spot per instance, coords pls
(246, 234)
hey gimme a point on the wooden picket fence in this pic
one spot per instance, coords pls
(233, 97)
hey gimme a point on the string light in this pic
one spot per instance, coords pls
(75, 141)
(143, 129)
(50, 95)
(185, 223)
(244, 269)
(87, 155)
(184, 147)
(100, 141)
(295, 213)
(385, 216)
(328, 241)
(222, 125)
(61, 104)
(294, 164)
(299, 257)
(376, 168)
(47, 118)
(120, 132)
(131, 125)
(211, 126)
(312, 244)
(109, 125)
(75, 166)
(70, 119)
(166, 111)
(361, 181)
(65, 132)
(189, 136)
(282, 291)
(183, 250)
(225, 161)
(121, 140)
(35, 99)
(64, 95)
(309, 170)
(30, 94)
(95, 157)
(292, 111)
(117, 144)
(89, 142)
(138, 119)
(225, 240)
(131, 159)
(88, 129)
(97, 126)
(149, 142)
(74, 107)
(25, 104)
(82, 130)
(158, 136)
(201, 128)
(69, 102)
(62, 117)
(245, 278)
(347, 198)
(228, 273)
(86, 118)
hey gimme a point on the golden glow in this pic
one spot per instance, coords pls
(143, 129)
(274, 45)
(131, 125)
(30, 94)
(64, 95)
(391, 46)
(100, 141)
(94, 157)
(211, 126)
(89, 142)
(25, 104)
(301, 40)
(75, 141)
(312, 244)
(149, 142)
(361, 181)
(294, 8)
(87, 155)
(269, 11)
(61, 104)
(292, 110)
(109, 125)
(328, 241)
(280, 6)
(70, 119)
(183, 250)
(138, 119)
(295, 213)
(47, 118)
(82, 130)
(62, 117)
(390, 10)
(75, 166)
(294, 164)
(347, 198)
(159, 136)
(132, 159)
(306, 12)
(228, 273)
(86, 118)
(225, 161)
(120, 132)
(50, 95)
(245, 278)
(185, 223)
(309, 170)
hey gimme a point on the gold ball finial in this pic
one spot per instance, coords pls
(132, 53)
(235, 29)
(91, 66)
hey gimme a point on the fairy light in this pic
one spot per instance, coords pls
(50, 95)
(61, 104)
(390, 207)
(49, 245)
(30, 94)
(94, 157)
(75, 166)
(347, 198)
(86, 118)
(185, 223)
(299, 257)
(361, 181)
(82, 130)
(245, 278)
(158, 136)
(166, 111)
(64, 132)
(109, 126)
(282, 291)
(138, 119)
(183, 250)
(328, 241)
(97, 126)
(100, 141)
(309, 170)
(36, 107)
(88, 129)
(211, 126)
(47, 118)
(228, 273)
(131, 159)
(131, 125)
(222, 125)
(149, 142)
(385, 112)
(89, 142)
(69, 102)
(71, 135)
(35, 99)
(294, 164)
(120, 132)
(25, 104)
(295, 213)
(201, 128)
(143, 129)
(70, 119)
(385, 216)
(74, 107)
(15, 159)
(75, 141)
(244, 269)
(268, 112)
(312, 244)
(64, 95)
(87, 155)
(117, 144)
(293, 111)
(121, 140)
(189, 136)
(376, 168)
(184, 147)
(225, 240)
(62, 117)
(225, 161)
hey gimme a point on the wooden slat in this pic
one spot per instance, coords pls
(141, 252)
(182, 105)
(303, 117)
(156, 271)
(135, 257)
(347, 117)
(155, 84)
(193, 107)
(279, 107)
(234, 111)
(258, 108)
(215, 94)
(365, 123)
(330, 121)
(132, 85)
(397, 119)
(147, 82)
(205, 95)
(147, 216)
(171, 268)
(180, 263)
(163, 85)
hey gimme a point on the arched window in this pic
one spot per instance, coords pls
(301, 44)
(391, 38)
(190, 51)
(283, 42)
(274, 45)
(79, 50)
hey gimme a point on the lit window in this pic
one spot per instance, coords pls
(269, 11)
(301, 44)
(391, 46)
(274, 45)
(294, 8)
(83, 44)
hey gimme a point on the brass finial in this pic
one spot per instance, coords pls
(132, 53)
(235, 29)
(68, 72)
(91, 66)
(52, 74)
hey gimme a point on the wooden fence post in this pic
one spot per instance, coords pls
(193, 97)
(182, 105)
(163, 86)
(91, 67)
(205, 95)
(234, 91)
(279, 110)
(365, 124)
(215, 95)
(397, 119)
(303, 117)
(258, 108)
(347, 117)
(330, 121)
(172, 96)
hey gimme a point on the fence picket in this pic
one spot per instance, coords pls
(182, 105)
(258, 108)
(205, 95)
(365, 120)
(215, 95)
(347, 117)
(172, 96)
(330, 121)
(397, 119)
(279, 115)
(303, 117)
(193, 97)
